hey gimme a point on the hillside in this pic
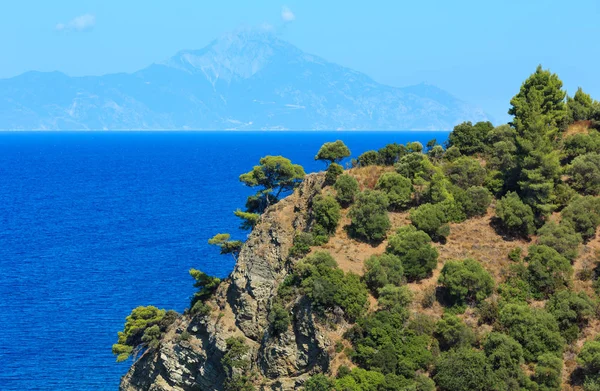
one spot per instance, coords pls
(470, 267)
(245, 80)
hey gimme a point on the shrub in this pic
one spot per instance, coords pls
(548, 372)
(394, 298)
(346, 188)
(397, 188)
(548, 270)
(452, 153)
(466, 281)
(469, 138)
(369, 217)
(585, 173)
(463, 370)
(369, 158)
(589, 360)
(572, 311)
(302, 243)
(452, 332)
(333, 152)
(535, 329)
(561, 237)
(279, 318)
(583, 214)
(414, 165)
(326, 214)
(414, 249)
(515, 254)
(431, 219)
(515, 216)
(504, 353)
(465, 172)
(333, 172)
(580, 144)
(389, 155)
(206, 285)
(381, 270)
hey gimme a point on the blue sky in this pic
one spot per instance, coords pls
(480, 51)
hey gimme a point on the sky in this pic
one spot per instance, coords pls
(480, 51)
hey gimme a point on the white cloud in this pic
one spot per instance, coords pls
(287, 15)
(79, 23)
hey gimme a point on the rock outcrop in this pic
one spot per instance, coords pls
(190, 353)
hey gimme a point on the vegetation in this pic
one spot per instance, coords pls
(516, 217)
(384, 269)
(466, 281)
(346, 188)
(397, 188)
(432, 219)
(414, 249)
(333, 152)
(206, 286)
(370, 220)
(326, 215)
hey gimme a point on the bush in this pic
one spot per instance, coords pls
(466, 281)
(318, 382)
(326, 214)
(585, 173)
(346, 188)
(369, 158)
(452, 153)
(431, 219)
(333, 152)
(389, 155)
(515, 216)
(572, 311)
(333, 172)
(472, 202)
(548, 372)
(414, 249)
(548, 270)
(561, 237)
(381, 270)
(394, 298)
(469, 138)
(397, 188)
(414, 165)
(466, 172)
(463, 370)
(580, 144)
(535, 329)
(589, 360)
(206, 286)
(279, 318)
(504, 353)
(583, 215)
(452, 332)
(369, 218)
(302, 243)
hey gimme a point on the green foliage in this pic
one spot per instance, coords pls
(394, 298)
(235, 357)
(472, 202)
(583, 215)
(572, 311)
(279, 318)
(452, 332)
(326, 214)
(548, 372)
(580, 144)
(227, 246)
(589, 360)
(414, 165)
(206, 286)
(548, 270)
(369, 158)
(561, 237)
(465, 172)
(463, 369)
(381, 270)
(515, 254)
(333, 152)
(580, 106)
(436, 153)
(414, 249)
(249, 219)
(397, 188)
(466, 281)
(504, 354)
(585, 174)
(346, 187)
(328, 287)
(302, 243)
(431, 219)
(515, 217)
(414, 147)
(333, 172)
(369, 217)
(143, 329)
(452, 153)
(238, 383)
(469, 138)
(535, 329)
(389, 155)
(318, 382)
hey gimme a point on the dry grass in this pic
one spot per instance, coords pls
(578, 128)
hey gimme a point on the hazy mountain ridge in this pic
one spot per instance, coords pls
(247, 80)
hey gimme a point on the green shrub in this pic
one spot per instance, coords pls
(561, 237)
(515, 217)
(452, 153)
(384, 269)
(505, 356)
(572, 311)
(414, 165)
(431, 219)
(394, 298)
(477, 201)
(333, 172)
(279, 318)
(463, 369)
(333, 152)
(206, 285)
(414, 249)
(585, 173)
(326, 214)
(548, 372)
(589, 360)
(389, 155)
(346, 188)
(580, 144)
(515, 254)
(302, 243)
(535, 329)
(397, 188)
(452, 332)
(466, 172)
(466, 281)
(369, 218)
(583, 214)
(548, 270)
(469, 138)
(369, 158)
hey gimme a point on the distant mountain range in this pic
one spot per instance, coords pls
(245, 80)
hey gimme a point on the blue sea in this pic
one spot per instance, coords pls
(93, 224)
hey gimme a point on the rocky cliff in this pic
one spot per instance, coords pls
(189, 356)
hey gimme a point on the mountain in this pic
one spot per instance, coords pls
(245, 80)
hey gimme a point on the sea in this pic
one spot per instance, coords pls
(93, 224)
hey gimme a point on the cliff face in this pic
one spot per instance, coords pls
(189, 356)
